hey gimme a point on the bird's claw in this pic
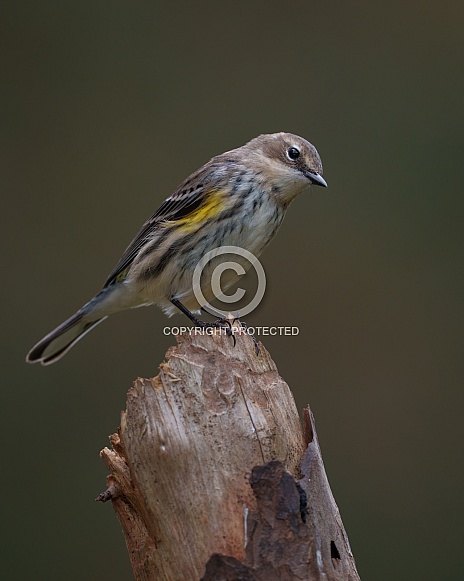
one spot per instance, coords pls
(245, 328)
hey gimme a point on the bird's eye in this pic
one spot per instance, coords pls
(293, 153)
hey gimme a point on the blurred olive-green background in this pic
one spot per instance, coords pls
(107, 107)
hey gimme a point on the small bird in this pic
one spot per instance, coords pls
(238, 198)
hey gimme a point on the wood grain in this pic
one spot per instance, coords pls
(181, 463)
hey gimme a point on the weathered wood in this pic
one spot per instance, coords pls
(181, 463)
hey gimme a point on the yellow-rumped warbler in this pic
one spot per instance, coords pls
(238, 198)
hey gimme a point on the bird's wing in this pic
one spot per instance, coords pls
(185, 200)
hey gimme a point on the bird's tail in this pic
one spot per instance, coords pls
(57, 343)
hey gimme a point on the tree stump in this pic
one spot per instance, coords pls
(212, 476)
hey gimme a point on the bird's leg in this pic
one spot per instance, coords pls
(219, 324)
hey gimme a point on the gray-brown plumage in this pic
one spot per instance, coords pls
(239, 198)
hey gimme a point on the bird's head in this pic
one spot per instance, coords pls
(287, 163)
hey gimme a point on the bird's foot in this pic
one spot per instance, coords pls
(223, 324)
(245, 327)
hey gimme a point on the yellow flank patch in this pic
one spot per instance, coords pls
(210, 208)
(121, 276)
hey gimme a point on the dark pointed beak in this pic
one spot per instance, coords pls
(316, 179)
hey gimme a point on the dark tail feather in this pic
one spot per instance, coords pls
(57, 343)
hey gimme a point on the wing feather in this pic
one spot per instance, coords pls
(180, 204)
